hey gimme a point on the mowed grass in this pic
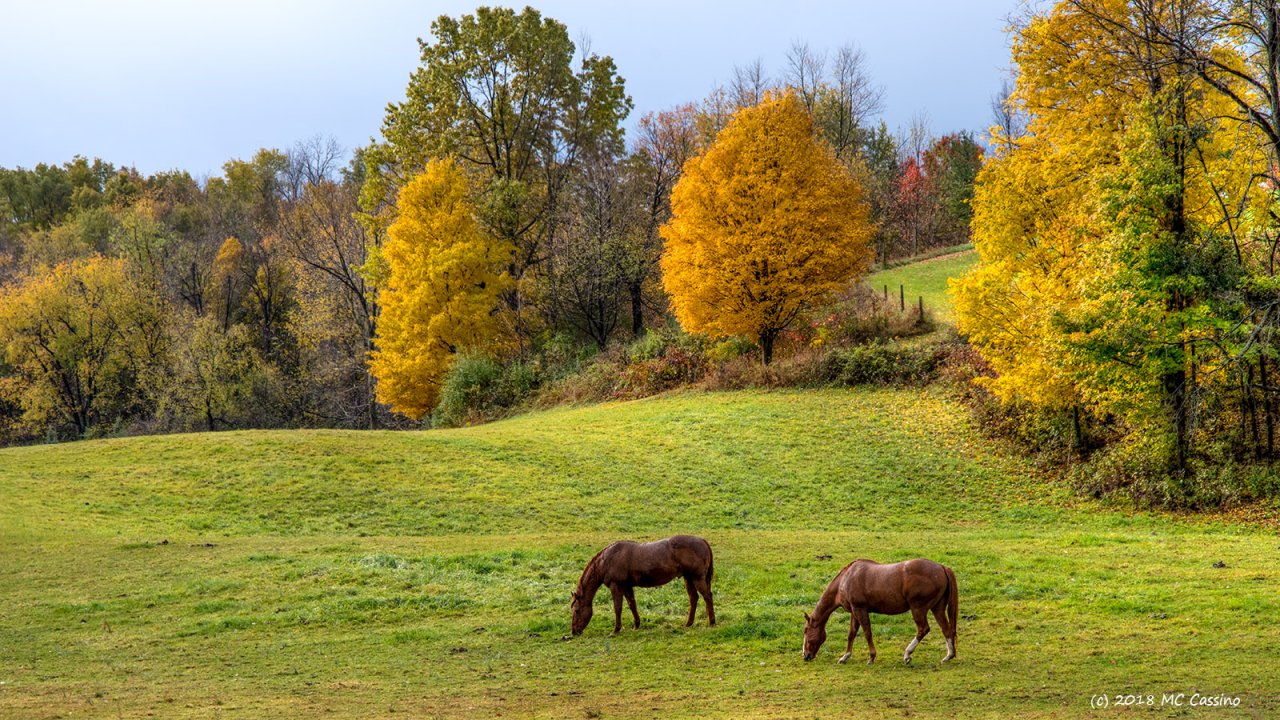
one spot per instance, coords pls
(927, 279)
(427, 574)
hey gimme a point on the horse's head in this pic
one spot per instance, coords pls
(815, 634)
(581, 613)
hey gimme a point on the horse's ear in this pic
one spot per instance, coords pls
(807, 619)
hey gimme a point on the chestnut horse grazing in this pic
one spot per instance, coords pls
(625, 565)
(865, 587)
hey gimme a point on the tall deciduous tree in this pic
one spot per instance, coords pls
(339, 306)
(497, 90)
(766, 225)
(665, 141)
(445, 273)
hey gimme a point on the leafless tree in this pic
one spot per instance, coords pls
(915, 138)
(750, 83)
(804, 73)
(1006, 116)
(602, 227)
(854, 87)
(311, 162)
(664, 143)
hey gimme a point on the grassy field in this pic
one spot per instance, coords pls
(427, 574)
(927, 279)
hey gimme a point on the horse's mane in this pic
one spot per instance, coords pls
(592, 571)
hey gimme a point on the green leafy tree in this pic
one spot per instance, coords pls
(498, 90)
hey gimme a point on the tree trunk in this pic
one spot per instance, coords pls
(1252, 404)
(1266, 405)
(766, 345)
(637, 309)
(1175, 385)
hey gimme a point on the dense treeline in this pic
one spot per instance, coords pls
(256, 298)
(1127, 294)
(159, 303)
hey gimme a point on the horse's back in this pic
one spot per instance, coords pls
(896, 587)
(688, 542)
(924, 566)
(658, 562)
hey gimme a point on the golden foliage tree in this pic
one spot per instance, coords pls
(444, 278)
(1110, 234)
(766, 225)
(79, 341)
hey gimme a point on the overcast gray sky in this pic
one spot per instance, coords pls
(189, 85)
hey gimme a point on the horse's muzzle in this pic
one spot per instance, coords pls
(808, 657)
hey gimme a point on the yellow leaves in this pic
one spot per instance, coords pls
(1035, 207)
(765, 225)
(444, 276)
(1051, 210)
(229, 257)
(74, 336)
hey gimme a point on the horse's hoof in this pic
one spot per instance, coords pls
(906, 659)
(871, 660)
(843, 659)
(949, 658)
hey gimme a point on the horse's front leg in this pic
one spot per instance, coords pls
(630, 593)
(617, 608)
(864, 617)
(853, 633)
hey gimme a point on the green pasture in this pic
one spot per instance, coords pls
(427, 574)
(927, 279)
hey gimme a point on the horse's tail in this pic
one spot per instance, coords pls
(711, 564)
(953, 602)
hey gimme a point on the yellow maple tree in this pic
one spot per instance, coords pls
(444, 274)
(766, 225)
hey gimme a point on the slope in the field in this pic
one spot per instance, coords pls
(741, 460)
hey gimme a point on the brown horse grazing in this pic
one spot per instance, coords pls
(864, 587)
(626, 565)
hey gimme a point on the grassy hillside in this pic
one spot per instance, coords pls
(927, 278)
(427, 574)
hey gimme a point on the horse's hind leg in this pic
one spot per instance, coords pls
(693, 601)
(705, 588)
(617, 608)
(921, 616)
(631, 602)
(948, 631)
